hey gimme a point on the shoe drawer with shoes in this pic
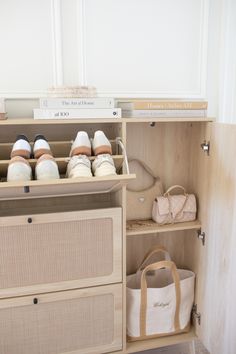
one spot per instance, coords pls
(42, 162)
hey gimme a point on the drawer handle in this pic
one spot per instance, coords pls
(35, 301)
(29, 220)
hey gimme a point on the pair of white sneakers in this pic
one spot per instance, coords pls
(82, 147)
(19, 168)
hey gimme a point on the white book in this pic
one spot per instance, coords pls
(73, 113)
(64, 103)
(158, 113)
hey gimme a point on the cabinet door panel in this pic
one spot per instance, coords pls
(77, 321)
(48, 252)
(214, 178)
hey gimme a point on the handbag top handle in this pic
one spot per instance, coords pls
(143, 306)
(149, 171)
(153, 250)
(174, 187)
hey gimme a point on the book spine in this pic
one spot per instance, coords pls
(156, 105)
(64, 103)
(164, 113)
(76, 113)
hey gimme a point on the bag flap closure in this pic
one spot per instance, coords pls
(163, 205)
(176, 204)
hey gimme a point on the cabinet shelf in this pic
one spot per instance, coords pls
(63, 187)
(142, 227)
(134, 347)
(31, 121)
(168, 120)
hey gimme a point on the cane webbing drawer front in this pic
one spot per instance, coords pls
(60, 251)
(76, 321)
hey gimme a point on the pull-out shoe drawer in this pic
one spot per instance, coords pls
(70, 322)
(51, 252)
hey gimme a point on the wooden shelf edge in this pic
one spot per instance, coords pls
(142, 227)
(168, 120)
(135, 347)
(31, 121)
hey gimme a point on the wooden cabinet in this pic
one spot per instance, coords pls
(65, 214)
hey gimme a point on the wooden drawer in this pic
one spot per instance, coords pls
(76, 321)
(50, 252)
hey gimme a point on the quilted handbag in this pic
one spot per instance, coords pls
(169, 208)
(139, 197)
(159, 299)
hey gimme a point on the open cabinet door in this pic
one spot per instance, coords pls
(213, 178)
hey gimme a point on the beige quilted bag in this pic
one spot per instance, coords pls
(169, 208)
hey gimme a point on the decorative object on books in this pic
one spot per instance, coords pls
(140, 198)
(159, 298)
(77, 113)
(169, 208)
(72, 91)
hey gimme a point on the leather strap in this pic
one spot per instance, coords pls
(143, 305)
(149, 171)
(153, 250)
(174, 187)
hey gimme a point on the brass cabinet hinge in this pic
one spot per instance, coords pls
(196, 315)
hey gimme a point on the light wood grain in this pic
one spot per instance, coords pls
(143, 227)
(75, 186)
(215, 263)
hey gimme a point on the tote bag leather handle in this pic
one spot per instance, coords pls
(143, 305)
(154, 250)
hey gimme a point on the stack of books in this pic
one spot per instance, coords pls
(164, 108)
(2, 109)
(76, 108)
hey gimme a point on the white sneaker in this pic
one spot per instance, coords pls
(19, 169)
(100, 144)
(21, 147)
(46, 168)
(103, 165)
(81, 145)
(41, 146)
(79, 166)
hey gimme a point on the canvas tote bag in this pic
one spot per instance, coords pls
(159, 300)
(139, 199)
